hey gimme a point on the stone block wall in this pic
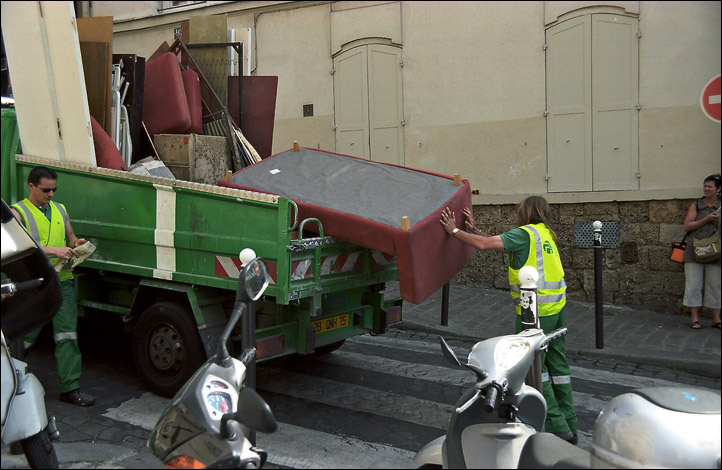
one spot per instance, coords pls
(637, 274)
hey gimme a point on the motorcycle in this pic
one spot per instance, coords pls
(210, 423)
(26, 305)
(498, 423)
(655, 427)
(493, 420)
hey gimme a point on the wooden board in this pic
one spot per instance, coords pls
(95, 64)
(100, 29)
(46, 69)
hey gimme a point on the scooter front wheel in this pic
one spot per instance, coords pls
(40, 451)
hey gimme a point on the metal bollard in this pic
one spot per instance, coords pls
(598, 297)
(528, 276)
(445, 305)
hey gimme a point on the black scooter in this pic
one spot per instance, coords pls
(211, 421)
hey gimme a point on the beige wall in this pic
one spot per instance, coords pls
(474, 82)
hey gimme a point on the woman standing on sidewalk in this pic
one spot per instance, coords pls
(534, 243)
(703, 219)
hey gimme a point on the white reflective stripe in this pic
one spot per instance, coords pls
(351, 261)
(379, 257)
(550, 299)
(62, 336)
(229, 266)
(165, 220)
(539, 257)
(32, 225)
(561, 379)
(545, 377)
(327, 265)
(63, 214)
(300, 271)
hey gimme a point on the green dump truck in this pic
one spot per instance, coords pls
(167, 261)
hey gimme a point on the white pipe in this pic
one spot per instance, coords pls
(248, 53)
(232, 61)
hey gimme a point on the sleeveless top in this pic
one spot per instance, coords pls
(707, 230)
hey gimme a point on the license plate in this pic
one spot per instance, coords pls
(328, 324)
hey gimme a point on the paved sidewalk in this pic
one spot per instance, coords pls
(631, 335)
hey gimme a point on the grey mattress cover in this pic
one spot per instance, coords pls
(371, 190)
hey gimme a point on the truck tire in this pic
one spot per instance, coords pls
(329, 348)
(166, 347)
(40, 451)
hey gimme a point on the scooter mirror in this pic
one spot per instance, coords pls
(255, 279)
(448, 352)
(254, 412)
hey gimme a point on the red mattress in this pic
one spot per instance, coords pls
(363, 202)
(165, 105)
(192, 87)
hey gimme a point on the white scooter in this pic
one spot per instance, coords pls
(26, 305)
(498, 423)
(210, 422)
(493, 420)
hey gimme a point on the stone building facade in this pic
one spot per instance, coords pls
(636, 274)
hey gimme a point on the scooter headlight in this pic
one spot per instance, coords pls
(509, 351)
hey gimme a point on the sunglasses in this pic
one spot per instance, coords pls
(47, 190)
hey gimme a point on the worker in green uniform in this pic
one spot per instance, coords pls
(534, 243)
(49, 224)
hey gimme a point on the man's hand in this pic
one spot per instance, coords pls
(79, 241)
(63, 253)
(448, 221)
(469, 221)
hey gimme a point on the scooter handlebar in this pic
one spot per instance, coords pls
(551, 337)
(9, 288)
(492, 398)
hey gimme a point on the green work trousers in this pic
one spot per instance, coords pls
(556, 378)
(65, 334)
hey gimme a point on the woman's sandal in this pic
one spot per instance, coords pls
(695, 325)
(717, 325)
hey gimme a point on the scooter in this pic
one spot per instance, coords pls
(493, 420)
(26, 305)
(655, 427)
(498, 423)
(210, 423)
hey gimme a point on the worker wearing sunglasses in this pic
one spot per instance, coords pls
(49, 224)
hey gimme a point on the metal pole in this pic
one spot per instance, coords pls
(598, 297)
(528, 276)
(445, 305)
(248, 340)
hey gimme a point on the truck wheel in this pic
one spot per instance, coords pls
(329, 348)
(39, 451)
(166, 347)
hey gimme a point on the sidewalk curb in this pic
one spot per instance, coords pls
(704, 368)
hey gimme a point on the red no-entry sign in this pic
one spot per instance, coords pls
(710, 99)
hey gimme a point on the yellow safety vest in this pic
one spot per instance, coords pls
(544, 256)
(46, 232)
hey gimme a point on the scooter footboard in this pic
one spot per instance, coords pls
(543, 450)
(27, 415)
(494, 445)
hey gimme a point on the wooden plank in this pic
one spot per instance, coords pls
(100, 29)
(95, 66)
(43, 53)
